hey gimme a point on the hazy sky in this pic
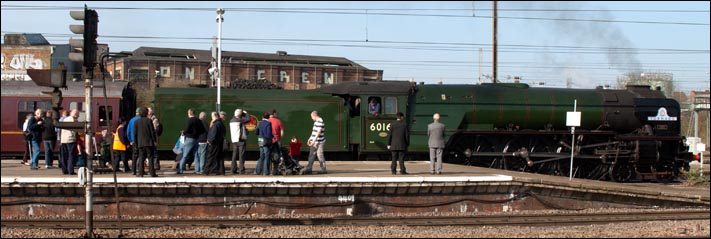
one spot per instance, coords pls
(591, 43)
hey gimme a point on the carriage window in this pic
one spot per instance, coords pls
(29, 107)
(46, 105)
(78, 106)
(374, 106)
(75, 106)
(25, 106)
(390, 105)
(102, 115)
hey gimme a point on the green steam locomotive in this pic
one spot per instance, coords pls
(627, 134)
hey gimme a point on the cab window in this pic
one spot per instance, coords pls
(390, 107)
(374, 106)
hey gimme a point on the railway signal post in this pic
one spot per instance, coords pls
(573, 120)
(87, 46)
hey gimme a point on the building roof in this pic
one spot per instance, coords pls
(239, 57)
(31, 39)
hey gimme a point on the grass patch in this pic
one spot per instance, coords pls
(694, 178)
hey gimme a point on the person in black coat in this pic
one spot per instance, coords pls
(398, 141)
(215, 140)
(145, 142)
(36, 128)
(50, 138)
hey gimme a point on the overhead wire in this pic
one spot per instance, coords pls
(439, 46)
(355, 12)
(445, 46)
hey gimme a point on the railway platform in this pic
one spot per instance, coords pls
(349, 188)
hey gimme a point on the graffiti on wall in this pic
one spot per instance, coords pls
(15, 67)
(23, 62)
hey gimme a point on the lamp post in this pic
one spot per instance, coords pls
(219, 19)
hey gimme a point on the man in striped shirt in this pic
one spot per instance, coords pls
(316, 142)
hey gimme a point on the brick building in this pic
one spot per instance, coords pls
(32, 51)
(21, 52)
(168, 67)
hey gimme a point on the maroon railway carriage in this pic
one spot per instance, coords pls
(20, 98)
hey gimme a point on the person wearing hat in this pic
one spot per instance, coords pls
(238, 134)
(131, 134)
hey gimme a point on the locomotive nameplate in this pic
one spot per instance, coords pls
(662, 115)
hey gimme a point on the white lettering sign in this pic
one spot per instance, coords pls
(662, 115)
(189, 73)
(380, 126)
(24, 62)
(260, 73)
(283, 76)
(305, 77)
(328, 78)
(165, 71)
(346, 198)
(16, 77)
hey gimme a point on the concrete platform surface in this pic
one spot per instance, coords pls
(338, 171)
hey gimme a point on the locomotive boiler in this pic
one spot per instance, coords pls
(624, 134)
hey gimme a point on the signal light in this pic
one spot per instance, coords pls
(86, 46)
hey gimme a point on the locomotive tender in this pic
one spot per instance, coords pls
(624, 134)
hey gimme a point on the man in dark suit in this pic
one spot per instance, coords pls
(215, 138)
(435, 134)
(145, 142)
(398, 141)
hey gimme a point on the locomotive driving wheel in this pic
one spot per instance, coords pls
(621, 171)
(484, 145)
(461, 150)
(464, 150)
(513, 160)
(538, 145)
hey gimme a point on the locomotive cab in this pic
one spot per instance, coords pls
(372, 108)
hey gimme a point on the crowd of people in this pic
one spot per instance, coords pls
(39, 131)
(202, 143)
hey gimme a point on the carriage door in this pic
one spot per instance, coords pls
(378, 113)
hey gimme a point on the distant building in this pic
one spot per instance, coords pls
(656, 80)
(699, 100)
(32, 51)
(184, 67)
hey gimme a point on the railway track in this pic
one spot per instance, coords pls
(493, 220)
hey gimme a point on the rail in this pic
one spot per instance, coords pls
(483, 220)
